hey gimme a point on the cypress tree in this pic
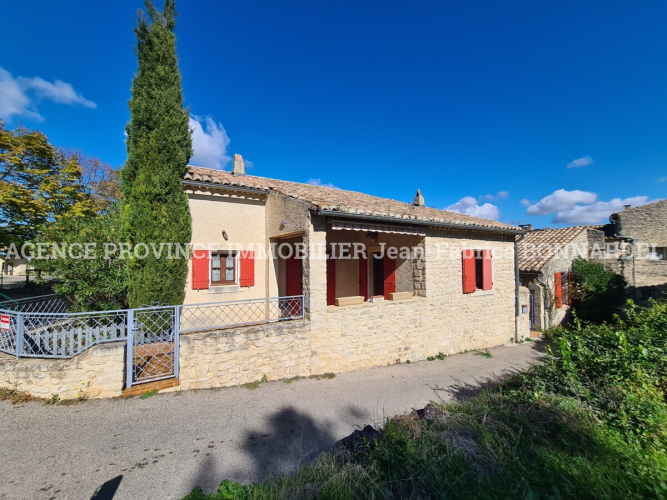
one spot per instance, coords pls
(159, 146)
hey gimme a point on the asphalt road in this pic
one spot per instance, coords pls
(163, 446)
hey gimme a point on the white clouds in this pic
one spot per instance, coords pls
(580, 207)
(469, 206)
(525, 202)
(318, 182)
(209, 143)
(597, 212)
(19, 96)
(584, 161)
(662, 179)
(501, 195)
(561, 200)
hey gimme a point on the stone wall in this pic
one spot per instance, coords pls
(647, 225)
(444, 319)
(96, 373)
(240, 355)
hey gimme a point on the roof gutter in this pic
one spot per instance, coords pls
(229, 187)
(444, 225)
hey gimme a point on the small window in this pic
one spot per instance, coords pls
(223, 268)
(658, 253)
(479, 270)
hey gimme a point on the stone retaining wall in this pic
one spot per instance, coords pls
(237, 356)
(96, 373)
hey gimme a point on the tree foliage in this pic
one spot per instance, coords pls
(39, 183)
(98, 282)
(597, 292)
(159, 146)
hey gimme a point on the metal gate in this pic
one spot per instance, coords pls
(152, 344)
(533, 317)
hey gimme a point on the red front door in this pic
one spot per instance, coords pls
(293, 283)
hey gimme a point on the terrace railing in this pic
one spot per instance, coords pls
(40, 328)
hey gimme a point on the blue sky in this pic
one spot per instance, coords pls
(482, 105)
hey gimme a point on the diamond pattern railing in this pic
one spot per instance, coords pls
(41, 330)
(43, 304)
(9, 331)
(152, 349)
(216, 315)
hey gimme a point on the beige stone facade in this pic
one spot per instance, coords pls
(638, 249)
(559, 249)
(96, 373)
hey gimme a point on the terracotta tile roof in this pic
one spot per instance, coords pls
(339, 200)
(540, 245)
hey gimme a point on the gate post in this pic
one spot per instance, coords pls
(19, 329)
(129, 362)
(177, 335)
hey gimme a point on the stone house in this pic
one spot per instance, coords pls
(636, 247)
(293, 280)
(545, 262)
(382, 280)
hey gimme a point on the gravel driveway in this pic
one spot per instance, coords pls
(163, 446)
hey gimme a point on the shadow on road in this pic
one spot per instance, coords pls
(108, 490)
(290, 440)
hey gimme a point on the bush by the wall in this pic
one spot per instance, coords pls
(597, 293)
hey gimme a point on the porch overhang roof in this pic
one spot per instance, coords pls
(510, 231)
(346, 225)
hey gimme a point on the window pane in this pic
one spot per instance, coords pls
(229, 261)
(215, 275)
(215, 260)
(229, 274)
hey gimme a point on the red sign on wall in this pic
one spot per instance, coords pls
(4, 322)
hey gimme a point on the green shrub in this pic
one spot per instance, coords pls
(596, 292)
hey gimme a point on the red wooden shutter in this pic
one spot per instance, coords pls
(558, 290)
(331, 281)
(487, 273)
(569, 288)
(389, 276)
(468, 257)
(247, 261)
(363, 277)
(200, 269)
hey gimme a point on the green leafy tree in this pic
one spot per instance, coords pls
(39, 183)
(94, 279)
(159, 146)
(597, 292)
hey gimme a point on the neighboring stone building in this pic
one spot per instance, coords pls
(361, 310)
(637, 248)
(545, 262)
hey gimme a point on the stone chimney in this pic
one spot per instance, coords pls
(419, 199)
(625, 207)
(239, 166)
(526, 227)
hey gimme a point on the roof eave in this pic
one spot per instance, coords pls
(229, 187)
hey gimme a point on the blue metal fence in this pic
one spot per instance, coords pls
(42, 329)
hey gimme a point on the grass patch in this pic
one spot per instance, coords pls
(441, 356)
(148, 394)
(254, 385)
(293, 379)
(327, 376)
(16, 396)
